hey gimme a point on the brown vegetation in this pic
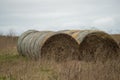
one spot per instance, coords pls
(8, 42)
(15, 67)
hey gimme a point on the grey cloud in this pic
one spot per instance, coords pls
(59, 14)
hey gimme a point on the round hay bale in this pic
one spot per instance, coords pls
(47, 44)
(60, 47)
(19, 47)
(94, 45)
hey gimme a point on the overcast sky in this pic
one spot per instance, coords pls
(21, 15)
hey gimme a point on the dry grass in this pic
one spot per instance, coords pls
(15, 67)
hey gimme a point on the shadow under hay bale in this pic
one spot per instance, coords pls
(94, 45)
(48, 45)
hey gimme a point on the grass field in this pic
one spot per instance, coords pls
(15, 67)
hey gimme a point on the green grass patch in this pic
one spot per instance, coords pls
(45, 69)
(6, 78)
(11, 58)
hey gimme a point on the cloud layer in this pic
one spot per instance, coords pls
(21, 15)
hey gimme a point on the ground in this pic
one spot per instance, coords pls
(16, 67)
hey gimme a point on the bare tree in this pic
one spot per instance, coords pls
(11, 33)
